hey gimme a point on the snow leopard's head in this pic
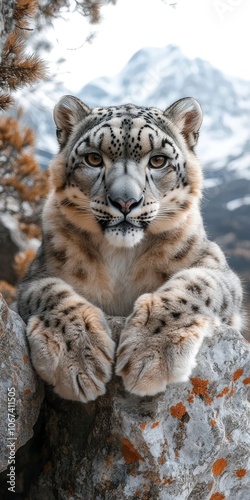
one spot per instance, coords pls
(125, 171)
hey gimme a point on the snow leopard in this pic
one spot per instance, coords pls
(123, 235)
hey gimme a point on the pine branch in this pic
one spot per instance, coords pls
(17, 69)
(5, 101)
(28, 71)
(24, 11)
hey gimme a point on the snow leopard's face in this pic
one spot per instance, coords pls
(126, 170)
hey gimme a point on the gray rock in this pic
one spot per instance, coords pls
(18, 381)
(191, 443)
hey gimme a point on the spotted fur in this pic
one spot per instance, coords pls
(123, 235)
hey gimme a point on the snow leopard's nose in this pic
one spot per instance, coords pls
(125, 206)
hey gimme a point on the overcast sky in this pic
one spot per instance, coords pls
(215, 30)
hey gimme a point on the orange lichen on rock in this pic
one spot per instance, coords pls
(237, 374)
(223, 392)
(167, 481)
(217, 496)
(176, 453)
(212, 421)
(241, 473)
(25, 359)
(155, 424)
(27, 391)
(130, 454)
(200, 389)
(219, 466)
(246, 381)
(190, 399)
(143, 425)
(178, 410)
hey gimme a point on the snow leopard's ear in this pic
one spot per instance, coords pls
(187, 115)
(68, 112)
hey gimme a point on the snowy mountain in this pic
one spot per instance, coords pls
(158, 77)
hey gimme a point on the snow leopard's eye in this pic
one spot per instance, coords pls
(93, 159)
(158, 161)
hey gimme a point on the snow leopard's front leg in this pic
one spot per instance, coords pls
(161, 338)
(69, 338)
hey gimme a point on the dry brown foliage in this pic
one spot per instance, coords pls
(23, 261)
(30, 230)
(23, 184)
(8, 292)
